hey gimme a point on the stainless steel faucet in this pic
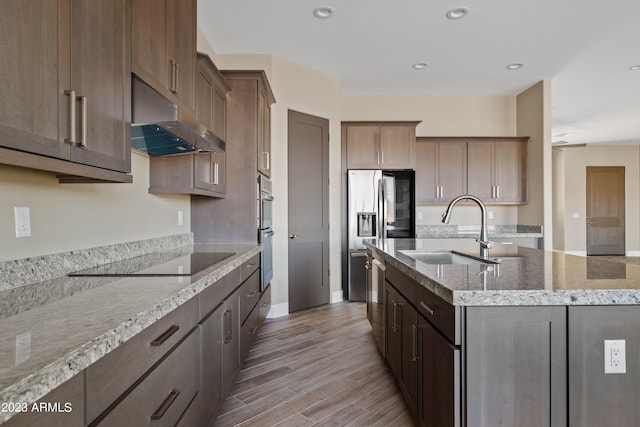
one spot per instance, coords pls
(485, 244)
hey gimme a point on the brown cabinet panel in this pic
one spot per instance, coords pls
(70, 397)
(249, 295)
(164, 47)
(163, 396)
(211, 385)
(201, 174)
(110, 376)
(69, 98)
(497, 173)
(516, 366)
(441, 169)
(380, 145)
(231, 339)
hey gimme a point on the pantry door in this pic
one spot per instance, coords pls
(308, 152)
(605, 210)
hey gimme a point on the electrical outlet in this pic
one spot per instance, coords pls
(615, 360)
(419, 215)
(490, 214)
(23, 222)
(180, 218)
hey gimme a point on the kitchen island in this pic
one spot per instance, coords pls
(517, 339)
(100, 349)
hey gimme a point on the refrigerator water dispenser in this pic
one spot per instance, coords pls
(366, 224)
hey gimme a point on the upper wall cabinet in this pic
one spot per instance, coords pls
(65, 85)
(441, 169)
(379, 145)
(211, 97)
(164, 47)
(497, 174)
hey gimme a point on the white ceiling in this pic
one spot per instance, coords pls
(585, 47)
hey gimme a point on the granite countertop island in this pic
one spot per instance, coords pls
(53, 329)
(517, 276)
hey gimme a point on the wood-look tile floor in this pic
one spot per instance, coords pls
(318, 367)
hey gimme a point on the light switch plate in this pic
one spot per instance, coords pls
(23, 221)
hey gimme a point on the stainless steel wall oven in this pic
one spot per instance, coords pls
(265, 230)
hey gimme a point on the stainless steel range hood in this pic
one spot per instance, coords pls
(161, 128)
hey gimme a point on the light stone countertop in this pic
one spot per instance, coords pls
(523, 276)
(53, 330)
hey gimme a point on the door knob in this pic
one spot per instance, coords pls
(294, 236)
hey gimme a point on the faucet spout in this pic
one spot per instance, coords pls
(485, 244)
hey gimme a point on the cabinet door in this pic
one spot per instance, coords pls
(452, 169)
(427, 183)
(181, 49)
(219, 114)
(410, 355)
(394, 332)
(34, 112)
(439, 380)
(149, 42)
(510, 171)
(209, 172)
(204, 98)
(363, 147)
(480, 169)
(516, 366)
(264, 135)
(212, 336)
(101, 75)
(397, 147)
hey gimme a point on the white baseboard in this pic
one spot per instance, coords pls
(337, 296)
(578, 253)
(278, 310)
(633, 253)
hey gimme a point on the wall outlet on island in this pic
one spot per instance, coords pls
(490, 215)
(615, 360)
(180, 218)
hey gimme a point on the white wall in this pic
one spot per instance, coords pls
(65, 217)
(574, 187)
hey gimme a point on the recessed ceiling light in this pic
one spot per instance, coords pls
(457, 13)
(634, 68)
(420, 65)
(515, 66)
(324, 12)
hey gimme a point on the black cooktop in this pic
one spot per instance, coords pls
(171, 263)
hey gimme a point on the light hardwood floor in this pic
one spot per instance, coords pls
(318, 367)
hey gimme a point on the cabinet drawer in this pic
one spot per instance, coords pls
(212, 296)
(249, 295)
(112, 375)
(162, 397)
(191, 417)
(70, 397)
(438, 312)
(249, 267)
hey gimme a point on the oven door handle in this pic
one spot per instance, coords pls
(268, 233)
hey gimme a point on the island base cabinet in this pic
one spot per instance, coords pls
(516, 366)
(440, 379)
(596, 398)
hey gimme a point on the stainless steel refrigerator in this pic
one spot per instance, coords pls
(381, 204)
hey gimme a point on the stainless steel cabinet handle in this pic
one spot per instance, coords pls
(159, 413)
(215, 173)
(72, 116)
(415, 343)
(377, 157)
(227, 326)
(294, 236)
(497, 191)
(382, 156)
(252, 294)
(267, 162)
(427, 308)
(83, 122)
(175, 78)
(394, 325)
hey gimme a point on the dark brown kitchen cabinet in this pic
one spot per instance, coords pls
(202, 174)
(211, 384)
(497, 173)
(69, 98)
(264, 133)
(379, 145)
(164, 47)
(70, 397)
(402, 345)
(211, 97)
(441, 169)
(516, 360)
(235, 216)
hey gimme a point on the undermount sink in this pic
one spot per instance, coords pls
(444, 257)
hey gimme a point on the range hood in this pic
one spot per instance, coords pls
(160, 128)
